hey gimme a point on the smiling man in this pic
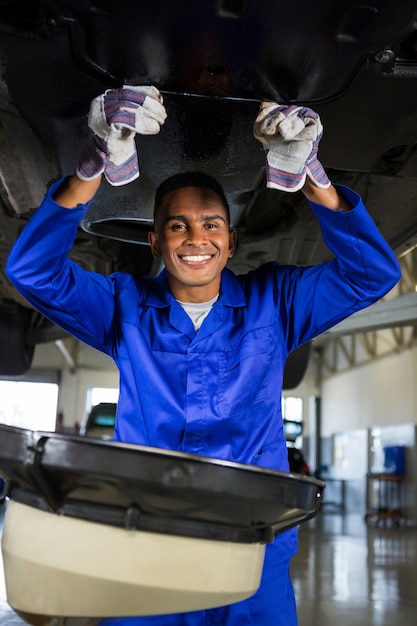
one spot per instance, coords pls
(201, 351)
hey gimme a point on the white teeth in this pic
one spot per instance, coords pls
(197, 257)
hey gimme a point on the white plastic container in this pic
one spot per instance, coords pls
(61, 566)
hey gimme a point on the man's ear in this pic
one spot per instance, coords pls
(154, 243)
(232, 243)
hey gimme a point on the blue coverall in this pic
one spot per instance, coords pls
(216, 392)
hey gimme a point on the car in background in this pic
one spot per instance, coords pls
(297, 461)
(296, 458)
(100, 421)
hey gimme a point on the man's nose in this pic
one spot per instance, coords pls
(196, 236)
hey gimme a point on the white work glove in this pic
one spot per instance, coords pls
(290, 135)
(114, 119)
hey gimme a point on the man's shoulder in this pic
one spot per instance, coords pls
(262, 275)
(262, 281)
(142, 288)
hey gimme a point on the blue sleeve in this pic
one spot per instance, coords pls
(79, 301)
(363, 270)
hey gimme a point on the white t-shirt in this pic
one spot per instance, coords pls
(198, 311)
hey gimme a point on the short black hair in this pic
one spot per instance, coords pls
(189, 179)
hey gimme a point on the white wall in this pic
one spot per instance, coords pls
(94, 369)
(380, 393)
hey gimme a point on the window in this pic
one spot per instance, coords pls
(292, 413)
(31, 405)
(292, 409)
(95, 395)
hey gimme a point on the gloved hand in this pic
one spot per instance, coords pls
(290, 135)
(114, 119)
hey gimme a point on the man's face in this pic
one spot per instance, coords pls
(193, 238)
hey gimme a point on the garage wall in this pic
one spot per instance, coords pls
(73, 392)
(94, 369)
(380, 398)
(380, 393)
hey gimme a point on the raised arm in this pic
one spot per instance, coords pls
(363, 269)
(38, 264)
(73, 191)
(328, 197)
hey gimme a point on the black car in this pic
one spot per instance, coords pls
(100, 421)
(214, 61)
(292, 431)
(298, 464)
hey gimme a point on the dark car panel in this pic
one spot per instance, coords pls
(297, 462)
(100, 421)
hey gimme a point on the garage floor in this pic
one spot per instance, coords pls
(346, 573)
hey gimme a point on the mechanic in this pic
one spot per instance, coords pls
(201, 351)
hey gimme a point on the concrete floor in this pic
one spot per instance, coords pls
(346, 573)
(355, 574)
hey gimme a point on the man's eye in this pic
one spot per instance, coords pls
(211, 225)
(178, 226)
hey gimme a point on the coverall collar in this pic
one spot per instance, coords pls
(231, 293)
